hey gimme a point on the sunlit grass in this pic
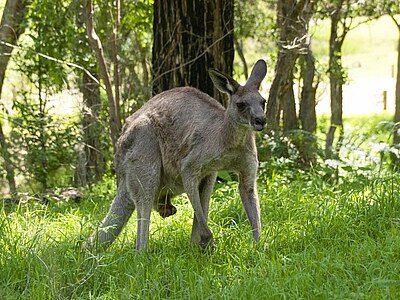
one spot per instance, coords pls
(376, 38)
(318, 241)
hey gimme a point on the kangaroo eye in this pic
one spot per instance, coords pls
(240, 105)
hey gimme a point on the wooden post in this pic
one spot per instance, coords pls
(384, 94)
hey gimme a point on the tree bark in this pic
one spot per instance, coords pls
(239, 50)
(307, 114)
(11, 28)
(189, 38)
(8, 166)
(95, 43)
(115, 46)
(91, 159)
(289, 106)
(396, 134)
(336, 79)
(290, 24)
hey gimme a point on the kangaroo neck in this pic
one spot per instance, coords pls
(235, 133)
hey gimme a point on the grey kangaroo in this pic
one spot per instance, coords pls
(176, 143)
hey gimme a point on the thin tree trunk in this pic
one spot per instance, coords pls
(289, 106)
(307, 112)
(91, 159)
(336, 85)
(283, 66)
(396, 134)
(10, 29)
(8, 166)
(94, 40)
(115, 49)
(239, 50)
(222, 44)
(290, 22)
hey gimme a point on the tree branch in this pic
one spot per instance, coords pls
(70, 64)
(97, 47)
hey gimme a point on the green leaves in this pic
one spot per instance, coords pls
(44, 142)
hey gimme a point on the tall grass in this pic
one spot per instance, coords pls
(319, 241)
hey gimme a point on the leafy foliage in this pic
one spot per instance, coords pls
(45, 143)
(366, 149)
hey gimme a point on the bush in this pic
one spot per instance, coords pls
(45, 144)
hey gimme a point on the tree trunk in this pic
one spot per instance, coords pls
(284, 67)
(396, 134)
(95, 43)
(189, 38)
(396, 129)
(291, 25)
(336, 85)
(307, 114)
(10, 29)
(239, 50)
(115, 50)
(289, 106)
(8, 166)
(91, 160)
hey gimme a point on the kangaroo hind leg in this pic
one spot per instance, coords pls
(118, 215)
(143, 182)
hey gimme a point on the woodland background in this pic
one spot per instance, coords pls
(72, 71)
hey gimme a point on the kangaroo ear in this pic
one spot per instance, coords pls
(257, 74)
(222, 82)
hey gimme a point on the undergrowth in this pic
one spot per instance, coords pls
(320, 240)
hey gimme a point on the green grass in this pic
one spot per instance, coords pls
(370, 47)
(318, 242)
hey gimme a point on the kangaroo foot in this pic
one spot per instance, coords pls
(207, 243)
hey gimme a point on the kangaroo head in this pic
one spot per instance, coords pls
(246, 105)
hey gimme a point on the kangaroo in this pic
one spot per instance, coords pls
(176, 143)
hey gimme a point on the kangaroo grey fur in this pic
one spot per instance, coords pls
(176, 143)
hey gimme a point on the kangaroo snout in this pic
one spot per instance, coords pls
(259, 123)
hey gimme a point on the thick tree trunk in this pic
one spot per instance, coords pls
(95, 43)
(189, 38)
(10, 29)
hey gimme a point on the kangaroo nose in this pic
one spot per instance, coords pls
(259, 122)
